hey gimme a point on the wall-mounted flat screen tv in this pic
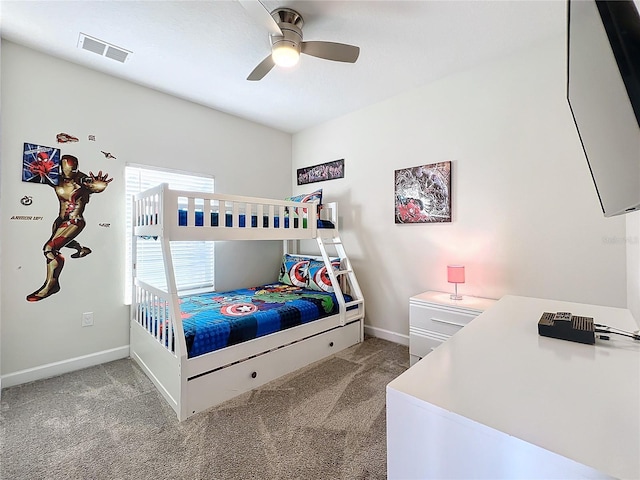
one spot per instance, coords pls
(603, 90)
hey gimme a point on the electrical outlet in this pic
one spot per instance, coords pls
(87, 319)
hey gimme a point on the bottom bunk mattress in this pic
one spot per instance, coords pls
(216, 320)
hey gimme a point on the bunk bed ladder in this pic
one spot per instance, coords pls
(345, 269)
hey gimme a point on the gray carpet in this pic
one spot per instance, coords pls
(325, 421)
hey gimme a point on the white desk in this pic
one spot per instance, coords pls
(499, 401)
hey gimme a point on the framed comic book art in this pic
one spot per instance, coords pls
(423, 194)
(322, 172)
(40, 164)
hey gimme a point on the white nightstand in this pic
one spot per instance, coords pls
(434, 317)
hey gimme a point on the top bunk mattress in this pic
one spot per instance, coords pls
(216, 320)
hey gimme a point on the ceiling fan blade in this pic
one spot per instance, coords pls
(262, 69)
(339, 52)
(261, 15)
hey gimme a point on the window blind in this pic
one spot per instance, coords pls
(193, 261)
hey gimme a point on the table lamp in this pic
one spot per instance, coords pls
(455, 274)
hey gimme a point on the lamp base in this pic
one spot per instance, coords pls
(455, 296)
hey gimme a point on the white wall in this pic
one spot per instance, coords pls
(633, 264)
(41, 97)
(1, 216)
(526, 218)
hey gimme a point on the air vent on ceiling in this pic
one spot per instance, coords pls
(103, 48)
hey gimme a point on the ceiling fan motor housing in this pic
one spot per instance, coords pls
(290, 22)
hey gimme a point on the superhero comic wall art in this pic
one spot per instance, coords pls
(73, 190)
(40, 164)
(423, 194)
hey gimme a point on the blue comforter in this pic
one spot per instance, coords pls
(219, 319)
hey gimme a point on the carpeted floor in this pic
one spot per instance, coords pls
(325, 421)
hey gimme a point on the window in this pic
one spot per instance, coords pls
(193, 261)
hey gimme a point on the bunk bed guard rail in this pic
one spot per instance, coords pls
(182, 215)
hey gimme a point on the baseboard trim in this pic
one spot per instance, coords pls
(387, 335)
(78, 363)
(64, 366)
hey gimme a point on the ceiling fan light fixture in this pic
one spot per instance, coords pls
(285, 55)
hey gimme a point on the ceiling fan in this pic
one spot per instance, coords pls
(285, 30)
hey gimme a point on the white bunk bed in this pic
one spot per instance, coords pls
(157, 341)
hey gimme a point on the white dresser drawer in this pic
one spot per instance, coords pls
(434, 318)
(423, 342)
(442, 321)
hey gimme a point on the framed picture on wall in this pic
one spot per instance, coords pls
(423, 194)
(40, 164)
(322, 172)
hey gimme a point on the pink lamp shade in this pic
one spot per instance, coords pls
(455, 274)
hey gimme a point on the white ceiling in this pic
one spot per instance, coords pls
(203, 50)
